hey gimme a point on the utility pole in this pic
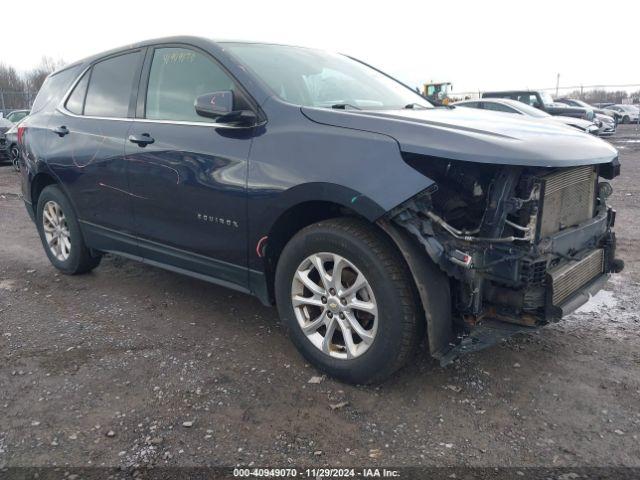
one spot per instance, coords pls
(557, 84)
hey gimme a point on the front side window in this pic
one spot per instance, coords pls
(177, 77)
(313, 78)
(110, 86)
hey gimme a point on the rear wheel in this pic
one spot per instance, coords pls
(14, 156)
(625, 119)
(347, 299)
(60, 233)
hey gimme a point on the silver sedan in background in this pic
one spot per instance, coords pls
(506, 105)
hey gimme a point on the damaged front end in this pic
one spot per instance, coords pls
(522, 246)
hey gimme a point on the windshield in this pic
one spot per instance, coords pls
(314, 78)
(547, 99)
(531, 111)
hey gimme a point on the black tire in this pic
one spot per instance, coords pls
(14, 156)
(399, 326)
(81, 259)
(625, 119)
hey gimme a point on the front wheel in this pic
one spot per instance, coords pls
(347, 299)
(60, 233)
(625, 119)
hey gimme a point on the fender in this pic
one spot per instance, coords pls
(432, 285)
(333, 193)
(301, 161)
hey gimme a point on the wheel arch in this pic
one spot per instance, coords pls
(39, 182)
(297, 208)
(291, 221)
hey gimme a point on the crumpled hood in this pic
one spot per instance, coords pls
(475, 135)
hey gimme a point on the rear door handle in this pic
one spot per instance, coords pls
(141, 140)
(61, 131)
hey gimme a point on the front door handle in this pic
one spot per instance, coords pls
(141, 140)
(61, 131)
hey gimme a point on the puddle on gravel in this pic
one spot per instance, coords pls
(612, 311)
(601, 301)
(8, 285)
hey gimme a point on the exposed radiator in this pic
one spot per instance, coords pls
(568, 278)
(568, 199)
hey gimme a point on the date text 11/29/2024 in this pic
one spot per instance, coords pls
(316, 473)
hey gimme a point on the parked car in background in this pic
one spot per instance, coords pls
(11, 142)
(16, 115)
(574, 102)
(543, 101)
(603, 104)
(606, 123)
(628, 113)
(5, 125)
(506, 105)
(370, 218)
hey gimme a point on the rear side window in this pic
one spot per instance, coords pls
(110, 86)
(75, 102)
(53, 89)
(498, 107)
(177, 77)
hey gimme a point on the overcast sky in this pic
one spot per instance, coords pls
(481, 44)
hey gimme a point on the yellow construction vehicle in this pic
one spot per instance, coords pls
(437, 93)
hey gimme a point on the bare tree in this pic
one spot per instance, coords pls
(11, 86)
(18, 91)
(599, 95)
(35, 78)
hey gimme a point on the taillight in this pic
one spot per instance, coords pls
(21, 130)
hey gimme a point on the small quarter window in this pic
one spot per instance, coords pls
(53, 89)
(75, 102)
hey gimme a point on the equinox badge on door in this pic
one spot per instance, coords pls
(227, 222)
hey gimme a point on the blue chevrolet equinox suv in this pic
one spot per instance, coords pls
(371, 218)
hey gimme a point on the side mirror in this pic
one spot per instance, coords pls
(215, 104)
(219, 106)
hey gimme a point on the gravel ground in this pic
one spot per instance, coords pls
(133, 365)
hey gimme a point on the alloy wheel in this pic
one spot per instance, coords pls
(56, 230)
(334, 305)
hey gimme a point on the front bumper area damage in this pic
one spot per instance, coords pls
(521, 246)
